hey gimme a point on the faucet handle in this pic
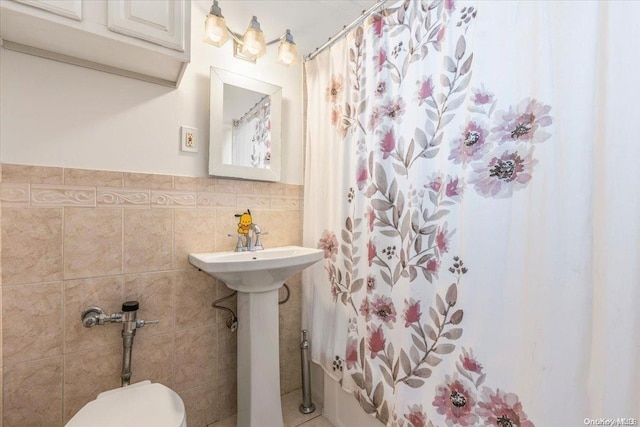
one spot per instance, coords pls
(140, 323)
(240, 247)
(258, 245)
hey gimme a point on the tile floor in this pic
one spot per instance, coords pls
(291, 414)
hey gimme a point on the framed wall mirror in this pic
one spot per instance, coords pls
(244, 127)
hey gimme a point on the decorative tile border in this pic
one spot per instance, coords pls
(55, 195)
(14, 194)
(253, 201)
(123, 198)
(211, 200)
(285, 202)
(173, 199)
(26, 188)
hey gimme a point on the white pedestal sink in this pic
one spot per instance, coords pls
(257, 276)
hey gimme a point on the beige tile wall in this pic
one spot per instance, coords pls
(74, 238)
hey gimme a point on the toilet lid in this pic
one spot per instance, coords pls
(139, 405)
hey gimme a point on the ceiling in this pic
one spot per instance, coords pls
(311, 22)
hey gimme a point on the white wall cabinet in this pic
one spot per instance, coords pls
(146, 40)
(157, 22)
(69, 8)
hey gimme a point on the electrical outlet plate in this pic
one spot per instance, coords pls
(189, 139)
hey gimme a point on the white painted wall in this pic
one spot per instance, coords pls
(55, 114)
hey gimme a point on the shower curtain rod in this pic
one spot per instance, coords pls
(251, 109)
(345, 30)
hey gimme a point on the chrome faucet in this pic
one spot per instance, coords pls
(248, 233)
(253, 238)
(251, 241)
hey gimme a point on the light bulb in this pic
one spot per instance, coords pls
(253, 40)
(215, 27)
(215, 31)
(287, 51)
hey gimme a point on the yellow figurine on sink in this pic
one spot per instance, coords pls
(244, 224)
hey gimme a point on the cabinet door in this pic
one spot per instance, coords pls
(69, 8)
(160, 21)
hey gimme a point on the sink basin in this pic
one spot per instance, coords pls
(258, 271)
(257, 276)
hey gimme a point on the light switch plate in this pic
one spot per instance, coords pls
(189, 139)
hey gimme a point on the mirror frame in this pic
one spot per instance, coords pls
(217, 167)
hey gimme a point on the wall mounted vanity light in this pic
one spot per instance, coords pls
(251, 45)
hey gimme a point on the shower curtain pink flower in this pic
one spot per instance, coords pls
(422, 165)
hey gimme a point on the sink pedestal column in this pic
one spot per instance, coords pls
(259, 402)
(257, 276)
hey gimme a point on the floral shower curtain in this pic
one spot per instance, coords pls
(252, 136)
(469, 176)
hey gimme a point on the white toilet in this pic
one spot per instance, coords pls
(143, 404)
(139, 405)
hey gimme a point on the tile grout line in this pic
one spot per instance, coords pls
(64, 307)
(309, 420)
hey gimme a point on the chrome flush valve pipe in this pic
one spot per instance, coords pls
(306, 407)
(129, 326)
(129, 312)
(93, 316)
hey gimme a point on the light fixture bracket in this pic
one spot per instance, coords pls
(238, 53)
(215, 9)
(248, 46)
(288, 37)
